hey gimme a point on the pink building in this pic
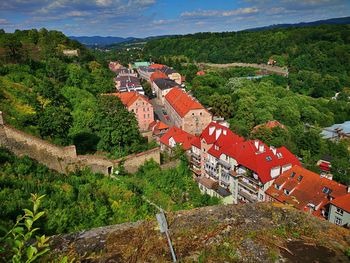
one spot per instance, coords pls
(140, 105)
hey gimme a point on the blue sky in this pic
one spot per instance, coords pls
(141, 18)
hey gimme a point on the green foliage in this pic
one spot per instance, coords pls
(317, 57)
(17, 245)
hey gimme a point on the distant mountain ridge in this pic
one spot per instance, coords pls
(331, 21)
(109, 40)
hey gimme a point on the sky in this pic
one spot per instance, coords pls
(142, 18)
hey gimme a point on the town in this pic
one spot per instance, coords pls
(224, 164)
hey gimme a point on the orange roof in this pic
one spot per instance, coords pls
(179, 136)
(342, 202)
(182, 102)
(128, 98)
(157, 126)
(158, 75)
(269, 125)
(157, 66)
(306, 187)
(200, 73)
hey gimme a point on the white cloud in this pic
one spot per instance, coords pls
(220, 13)
(4, 21)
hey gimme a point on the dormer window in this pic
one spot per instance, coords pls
(286, 192)
(279, 155)
(292, 175)
(300, 177)
(268, 158)
(277, 186)
(216, 147)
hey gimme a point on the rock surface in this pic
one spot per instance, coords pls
(232, 233)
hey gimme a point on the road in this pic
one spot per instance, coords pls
(278, 70)
(158, 112)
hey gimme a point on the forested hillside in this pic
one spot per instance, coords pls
(84, 200)
(57, 97)
(318, 58)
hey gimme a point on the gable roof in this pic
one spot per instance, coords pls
(128, 98)
(181, 102)
(180, 137)
(258, 157)
(165, 83)
(343, 202)
(157, 66)
(158, 75)
(157, 126)
(216, 130)
(306, 187)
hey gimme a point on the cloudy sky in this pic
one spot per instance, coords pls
(141, 18)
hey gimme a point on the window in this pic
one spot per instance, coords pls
(339, 211)
(268, 158)
(147, 115)
(144, 115)
(277, 186)
(201, 113)
(300, 177)
(279, 155)
(261, 197)
(292, 175)
(338, 221)
(192, 113)
(136, 110)
(326, 190)
(286, 192)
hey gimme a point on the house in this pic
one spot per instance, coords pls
(200, 73)
(125, 72)
(185, 112)
(158, 128)
(156, 75)
(157, 66)
(245, 169)
(145, 72)
(128, 84)
(140, 64)
(139, 105)
(339, 210)
(71, 52)
(176, 136)
(337, 131)
(115, 65)
(172, 74)
(269, 126)
(309, 192)
(162, 86)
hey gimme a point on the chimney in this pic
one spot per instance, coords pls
(211, 130)
(256, 143)
(1, 119)
(218, 132)
(261, 148)
(273, 149)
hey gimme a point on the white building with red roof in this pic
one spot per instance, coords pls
(245, 169)
(312, 193)
(185, 112)
(176, 136)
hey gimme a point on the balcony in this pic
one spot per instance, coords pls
(251, 187)
(224, 164)
(247, 196)
(196, 170)
(195, 155)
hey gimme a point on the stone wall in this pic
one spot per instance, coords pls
(65, 159)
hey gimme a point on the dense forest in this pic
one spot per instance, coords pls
(57, 97)
(84, 200)
(318, 57)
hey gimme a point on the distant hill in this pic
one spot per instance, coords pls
(331, 21)
(100, 41)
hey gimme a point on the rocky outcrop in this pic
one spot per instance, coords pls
(232, 233)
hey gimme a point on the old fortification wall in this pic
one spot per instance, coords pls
(65, 159)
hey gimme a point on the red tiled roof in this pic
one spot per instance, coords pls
(128, 98)
(158, 75)
(200, 73)
(182, 102)
(269, 125)
(342, 202)
(249, 155)
(196, 142)
(157, 126)
(157, 66)
(307, 190)
(211, 132)
(180, 137)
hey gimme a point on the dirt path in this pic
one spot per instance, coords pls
(275, 69)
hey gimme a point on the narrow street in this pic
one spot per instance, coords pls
(158, 112)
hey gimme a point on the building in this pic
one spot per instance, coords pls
(162, 86)
(312, 193)
(200, 73)
(172, 74)
(125, 72)
(158, 129)
(185, 112)
(337, 131)
(245, 169)
(115, 65)
(339, 210)
(154, 76)
(140, 64)
(175, 136)
(71, 52)
(140, 106)
(145, 72)
(128, 84)
(269, 126)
